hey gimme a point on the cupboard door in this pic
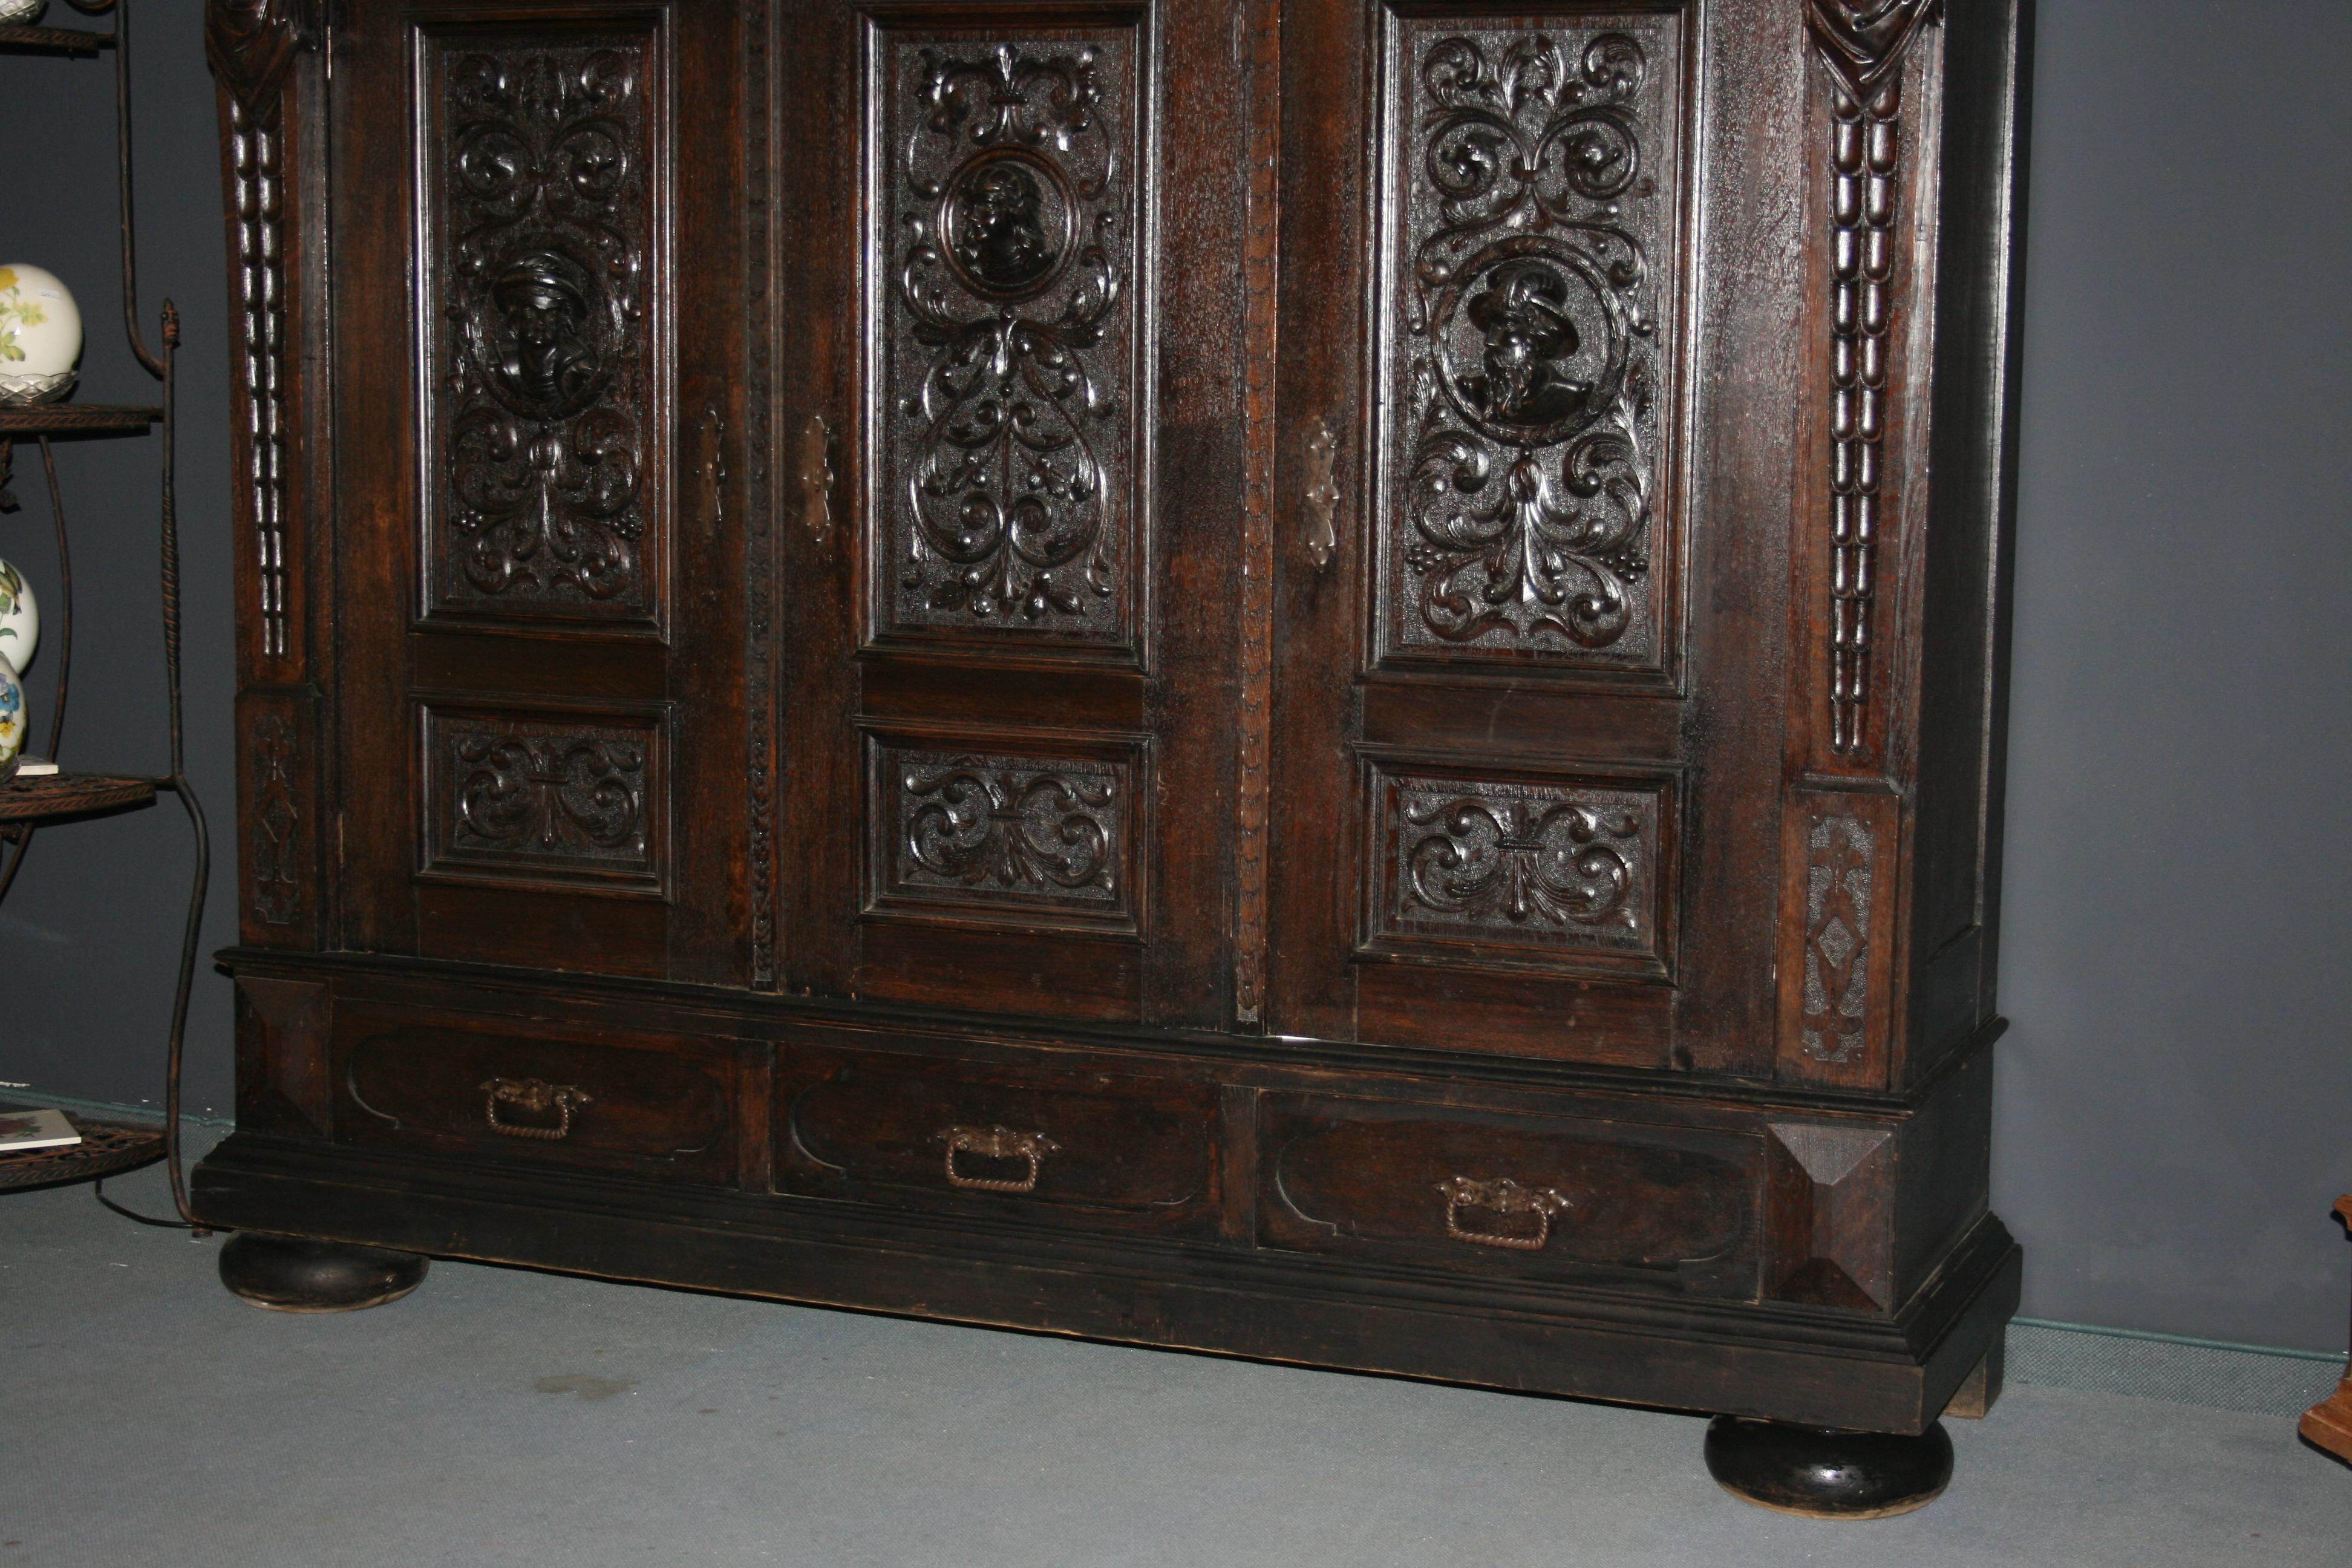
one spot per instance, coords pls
(1535, 324)
(1007, 346)
(538, 279)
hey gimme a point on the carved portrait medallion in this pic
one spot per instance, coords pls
(1007, 218)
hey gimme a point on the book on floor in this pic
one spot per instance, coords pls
(22, 1129)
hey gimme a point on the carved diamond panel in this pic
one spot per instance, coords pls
(1004, 834)
(1527, 867)
(540, 262)
(1007, 182)
(546, 797)
(1528, 313)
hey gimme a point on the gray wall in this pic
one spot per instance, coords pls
(2174, 1095)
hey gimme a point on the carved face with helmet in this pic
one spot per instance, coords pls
(1522, 313)
(547, 365)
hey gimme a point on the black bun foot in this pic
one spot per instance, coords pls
(290, 1274)
(1822, 1474)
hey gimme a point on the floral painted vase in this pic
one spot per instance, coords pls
(40, 335)
(12, 720)
(20, 618)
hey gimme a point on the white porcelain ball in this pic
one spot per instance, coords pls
(20, 617)
(40, 326)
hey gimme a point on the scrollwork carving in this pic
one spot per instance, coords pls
(1009, 336)
(1521, 863)
(1008, 825)
(1528, 367)
(545, 228)
(557, 796)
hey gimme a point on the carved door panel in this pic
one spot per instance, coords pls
(539, 270)
(1536, 347)
(1000, 608)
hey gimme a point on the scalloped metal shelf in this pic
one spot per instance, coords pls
(78, 418)
(72, 794)
(106, 1147)
(54, 40)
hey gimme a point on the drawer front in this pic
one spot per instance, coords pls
(653, 1105)
(1097, 1149)
(1542, 1198)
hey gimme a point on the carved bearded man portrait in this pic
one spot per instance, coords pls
(998, 235)
(546, 364)
(1522, 313)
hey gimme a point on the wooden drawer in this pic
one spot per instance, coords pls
(1067, 1145)
(653, 1105)
(1588, 1202)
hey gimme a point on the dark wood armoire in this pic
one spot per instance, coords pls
(1316, 679)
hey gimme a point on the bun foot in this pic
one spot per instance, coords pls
(1824, 1474)
(293, 1274)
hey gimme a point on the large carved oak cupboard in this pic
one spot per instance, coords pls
(1315, 679)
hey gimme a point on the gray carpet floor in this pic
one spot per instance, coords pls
(500, 1418)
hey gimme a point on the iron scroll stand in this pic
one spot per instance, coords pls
(26, 803)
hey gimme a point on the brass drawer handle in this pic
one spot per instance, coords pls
(1504, 1196)
(995, 1143)
(536, 1095)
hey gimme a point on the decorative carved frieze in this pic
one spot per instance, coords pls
(1000, 831)
(759, 538)
(1514, 863)
(545, 797)
(1536, 176)
(541, 162)
(1861, 44)
(1009, 196)
(1261, 276)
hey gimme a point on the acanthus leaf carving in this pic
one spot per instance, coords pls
(1864, 42)
(554, 796)
(546, 226)
(252, 43)
(1529, 363)
(1012, 825)
(1009, 336)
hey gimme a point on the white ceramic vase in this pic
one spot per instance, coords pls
(20, 618)
(12, 720)
(17, 13)
(40, 335)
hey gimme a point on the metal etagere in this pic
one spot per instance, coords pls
(27, 803)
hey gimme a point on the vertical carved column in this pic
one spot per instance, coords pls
(1863, 44)
(758, 522)
(255, 47)
(252, 45)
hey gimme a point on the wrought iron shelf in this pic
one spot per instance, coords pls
(27, 803)
(73, 795)
(106, 1148)
(79, 419)
(53, 41)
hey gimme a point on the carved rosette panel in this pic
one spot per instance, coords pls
(541, 169)
(1008, 199)
(1516, 864)
(1861, 44)
(1004, 833)
(1528, 312)
(1839, 886)
(557, 798)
